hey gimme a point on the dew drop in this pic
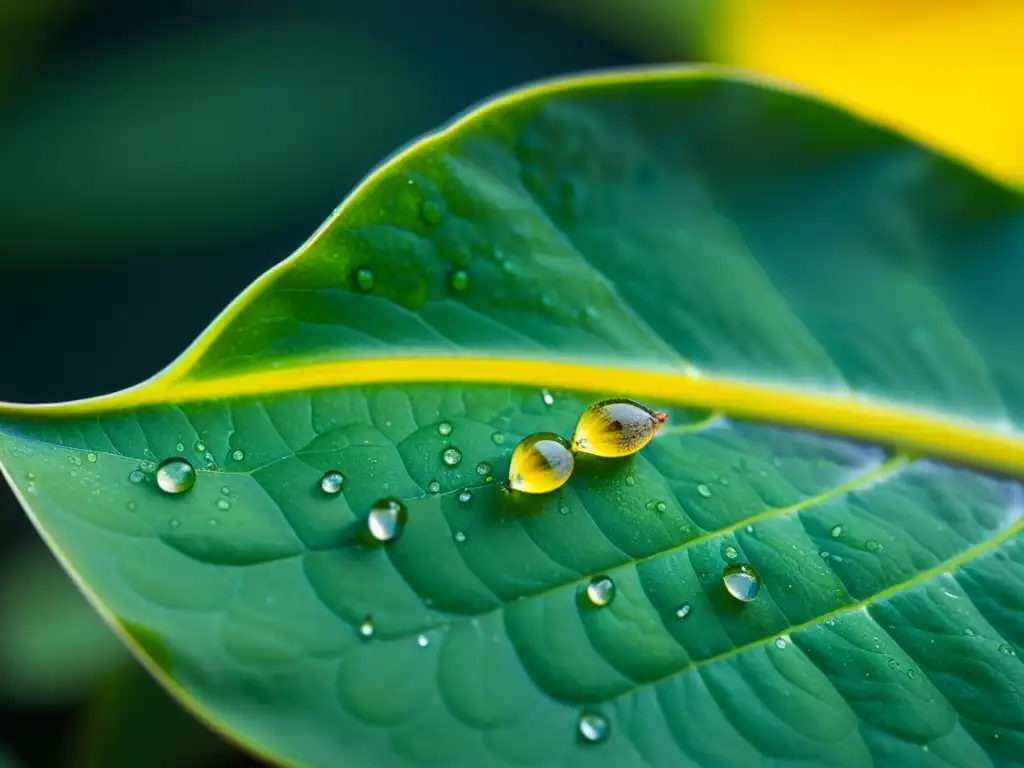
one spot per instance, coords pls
(730, 553)
(431, 211)
(661, 506)
(683, 610)
(91, 457)
(332, 482)
(136, 476)
(1007, 650)
(630, 481)
(547, 397)
(893, 664)
(741, 581)
(600, 591)
(451, 456)
(175, 476)
(871, 545)
(911, 674)
(213, 522)
(466, 496)
(433, 486)
(147, 466)
(366, 628)
(200, 446)
(225, 490)
(837, 531)
(723, 480)
(483, 468)
(364, 279)
(444, 428)
(704, 491)
(223, 505)
(970, 632)
(174, 522)
(459, 536)
(563, 510)
(237, 454)
(780, 643)
(422, 641)
(180, 447)
(132, 506)
(75, 459)
(593, 728)
(777, 462)
(498, 438)
(387, 519)
(459, 280)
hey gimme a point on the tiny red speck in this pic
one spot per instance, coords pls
(661, 417)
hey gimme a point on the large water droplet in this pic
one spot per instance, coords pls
(387, 519)
(600, 591)
(451, 456)
(684, 610)
(593, 728)
(444, 428)
(459, 280)
(366, 628)
(332, 482)
(364, 279)
(741, 581)
(541, 463)
(175, 476)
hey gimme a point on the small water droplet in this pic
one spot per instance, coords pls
(213, 522)
(444, 428)
(136, 476)
(180, 447)
(483, 468)
(387, 519)
(777, 461)
(332, 482)
(451, 456)
(498, 438)
(422, 641)
(466, 496)
(730, 553)
(704, 491)
(871, 545)
(837, 531)
(741, 581)
(176, 476)
(433, 486)
(200, 446)
(683, 610)
(223, 504)
(723, 480)
(780, 643)
(237, 454)
(91, 457)
(174, 522)
(824, 554)
(225, 490)
(132, 506)
(600, 591)
(431, 211)
(459, 280)
(661, 506)
(366, 628)
(459, 536)
(364, 279)
(893, 664)
(563, 510)
(970, 632)
(75, 459)
(593, 728)
(749, 529)
(147, 466)
(630, 481)
(911, 673)
(547, 397)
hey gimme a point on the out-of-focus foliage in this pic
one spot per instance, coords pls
(946, 72)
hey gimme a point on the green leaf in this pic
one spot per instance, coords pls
(826, 311)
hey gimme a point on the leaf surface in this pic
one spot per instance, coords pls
(822, 307)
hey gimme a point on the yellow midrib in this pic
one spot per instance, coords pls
(919, 433)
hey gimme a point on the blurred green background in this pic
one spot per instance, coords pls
(157, 157)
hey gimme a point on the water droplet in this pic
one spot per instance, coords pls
(893, 664)
(136, 476)
(75, 459)
(547, 397)
(387, 519)
(451, 456)
(600, 591)
(780, 643)
(200, 446)
(422, 641)
(837, 531)
(174, 522)
(617, 427)
(871, 545)
(132, 506)
(661, 506)
(466, 496)
(777, 461)
(223, 504)
(180, 447)
(593, 728)
(175, 476)
(542, 462)
(1007, 650)
(433, 486)
(730, 553)
(911, 673)
(147, 466)
(91, 457)
(366, 628)
(824, 554)
(364, 279)
(213, 522)
(332, 482)
(237, 454)
(563, 510)
(431, 211)
(749, 529)
(704, 491)
(483, 468)
(630, 481)
(459, 536)
(683, 610)
(225, 490)
(498, 438)
(741, 581)
(970, 632)
(459, 280)
(723, 479)
(444, 428)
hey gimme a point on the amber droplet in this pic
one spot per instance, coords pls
(540, 463)
(618, 427)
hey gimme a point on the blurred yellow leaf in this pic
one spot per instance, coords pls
(946, 71)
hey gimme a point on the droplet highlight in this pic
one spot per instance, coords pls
(741, 581)
(546, 397)
(175, 476)
(332, 482)
(366, 628)
(459, 536)
(600, 591)
(683, 610)
(593, 728)
(837, 531)
(387, 520)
